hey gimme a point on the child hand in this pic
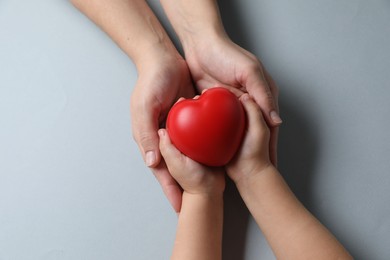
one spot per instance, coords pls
(253, 155)
(192, 176)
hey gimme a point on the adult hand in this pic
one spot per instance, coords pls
(162, 80)
(163, 75)
(214, 59)
(219, 61)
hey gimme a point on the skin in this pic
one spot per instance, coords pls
(164, 76)
(290, 229)
(213, 59)
(199, 229)
(137, 31)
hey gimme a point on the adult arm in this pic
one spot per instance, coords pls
(163, 75)
(131, 24)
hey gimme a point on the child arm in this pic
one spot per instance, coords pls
(291, 230)
(199, 229)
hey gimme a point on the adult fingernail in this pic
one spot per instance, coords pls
(275, 117)
(150, 158)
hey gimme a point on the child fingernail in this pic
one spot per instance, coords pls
(161, 133)
(275, 117)
(245, 97)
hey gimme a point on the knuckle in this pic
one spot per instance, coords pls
(144, 138)
(269, 98)
(254, 67)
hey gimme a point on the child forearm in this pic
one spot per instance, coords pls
(199, 231)
(292, 232)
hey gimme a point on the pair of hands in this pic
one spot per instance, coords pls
(164, 76)
(167, 77)
(251, 159)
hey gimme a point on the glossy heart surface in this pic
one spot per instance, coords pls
(209, 129)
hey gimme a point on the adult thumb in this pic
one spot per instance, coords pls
(145, 129)
(259, 89)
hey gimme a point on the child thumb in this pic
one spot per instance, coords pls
(167, 149)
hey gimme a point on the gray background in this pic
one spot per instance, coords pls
(73, 185)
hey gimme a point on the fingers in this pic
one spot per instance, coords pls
(259, 89)
(273, 88)
(255, 118)
(171, 155)
(257, 140)
(145, 126)
(273, 146)
(145, 134)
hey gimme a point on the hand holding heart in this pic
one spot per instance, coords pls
(192, 176)
(221, 62)
(208, 129)
(251, 157)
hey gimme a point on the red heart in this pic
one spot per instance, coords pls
(209, 129)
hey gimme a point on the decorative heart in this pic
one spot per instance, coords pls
(209, 129)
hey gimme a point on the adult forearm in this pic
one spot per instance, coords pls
(199, 230)
(194, 19)
(131, 24)
(291, 230)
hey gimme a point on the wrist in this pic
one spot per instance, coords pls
(150, 55)
(194, 21)
(204, 200)
(197, 43)
(246, 181)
